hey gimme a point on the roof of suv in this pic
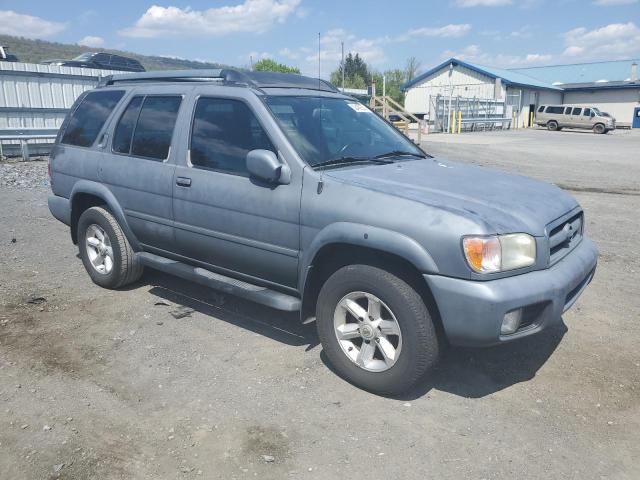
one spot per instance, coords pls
(257, 80)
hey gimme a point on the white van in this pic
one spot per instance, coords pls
(557, 117)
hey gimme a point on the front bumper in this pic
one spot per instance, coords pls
(472, 311)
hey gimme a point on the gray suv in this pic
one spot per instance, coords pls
(279, 189)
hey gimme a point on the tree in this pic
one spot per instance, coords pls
(268, 65)
(411, 68)
(356, 73)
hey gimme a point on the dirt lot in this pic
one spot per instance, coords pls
(110, 385)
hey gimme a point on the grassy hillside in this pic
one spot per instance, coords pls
(35, 51)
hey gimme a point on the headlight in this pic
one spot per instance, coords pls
(499, 253)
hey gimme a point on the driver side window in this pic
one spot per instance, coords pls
(223, 132)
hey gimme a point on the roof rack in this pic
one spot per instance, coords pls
(257, 80)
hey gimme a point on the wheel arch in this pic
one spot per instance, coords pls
(87, 194)
(408, 263)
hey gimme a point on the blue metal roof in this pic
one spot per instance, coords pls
(508, 77)
(617, 70)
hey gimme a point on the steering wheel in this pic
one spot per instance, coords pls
(347, 146)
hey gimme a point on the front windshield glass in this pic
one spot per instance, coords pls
(326, 129)
(596, 111)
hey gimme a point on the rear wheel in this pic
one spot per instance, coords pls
(375, 329)
(105, 251)
(552, 125)
(599, 128)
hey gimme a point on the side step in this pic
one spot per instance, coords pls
(255, 293)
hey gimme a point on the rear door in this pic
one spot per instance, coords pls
(138, 163)
(224, 217)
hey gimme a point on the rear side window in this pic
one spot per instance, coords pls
(576, 111)
(88, 119)
(223, 132)
(567, 111)
(554, 110)
(540, 108)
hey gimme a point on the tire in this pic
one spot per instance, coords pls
(416, 347)
(114, 257)
(599, 129)
(552, 125)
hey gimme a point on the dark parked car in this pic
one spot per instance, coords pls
(280, 189)
(5, 56)
(103, 61)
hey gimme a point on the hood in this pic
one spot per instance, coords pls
(506, 203)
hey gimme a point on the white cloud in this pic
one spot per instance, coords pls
(482, 3)
(288, 53)
(90, 41)
(447, 31)
(616, 40)
(21, 25)
(473, 53)
(611, 3)
(255, 16)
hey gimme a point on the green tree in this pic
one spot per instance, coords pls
(356, 73)
(268, 65)
(393, 80)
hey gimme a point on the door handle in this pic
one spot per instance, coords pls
(183, 182)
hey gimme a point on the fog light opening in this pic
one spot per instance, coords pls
(511, 322)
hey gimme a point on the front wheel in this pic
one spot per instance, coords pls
(375, 329)
(599, 129)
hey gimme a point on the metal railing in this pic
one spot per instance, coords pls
(23, 135)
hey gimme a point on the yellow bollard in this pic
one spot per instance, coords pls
(531, 119)
(453, 121)
(459, 121)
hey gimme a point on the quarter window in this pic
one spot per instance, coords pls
(154, 127)
(567, 111)
(89, 117)
(223, 132)
(554, 110)
(541, 109)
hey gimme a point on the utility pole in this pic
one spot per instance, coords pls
(342, 43)
(251, 62)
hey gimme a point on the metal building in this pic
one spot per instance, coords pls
(476, 91)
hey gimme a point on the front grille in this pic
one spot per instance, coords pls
(564, 235)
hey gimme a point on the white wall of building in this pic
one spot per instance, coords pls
(619, 103)
(459, 82)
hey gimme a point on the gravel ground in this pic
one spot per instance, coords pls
(111, 385)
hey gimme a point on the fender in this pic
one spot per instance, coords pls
(99, 190)
(367, 236)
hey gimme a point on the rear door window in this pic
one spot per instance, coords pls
(154, 128)
(89, 117)
(554, 110)
(124, 131)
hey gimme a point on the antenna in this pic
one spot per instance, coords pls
(318, 60)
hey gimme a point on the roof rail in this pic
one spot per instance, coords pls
(164, 76)
(257, 80)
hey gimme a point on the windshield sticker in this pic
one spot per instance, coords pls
(358, 107)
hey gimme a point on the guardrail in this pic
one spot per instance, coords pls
(23, 135)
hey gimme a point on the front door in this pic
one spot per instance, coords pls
(224, 217)
(137, 166)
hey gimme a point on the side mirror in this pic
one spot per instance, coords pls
(265, 165)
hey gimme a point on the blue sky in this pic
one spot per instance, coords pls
(499, 33)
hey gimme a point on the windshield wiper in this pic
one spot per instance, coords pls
(349, 161)
(400, 153)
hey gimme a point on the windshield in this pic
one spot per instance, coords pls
(326, 129)
(596, 111)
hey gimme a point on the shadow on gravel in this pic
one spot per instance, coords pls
(467, 372)
(475, 373)
(283, 327)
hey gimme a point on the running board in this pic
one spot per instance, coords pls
(255, 293)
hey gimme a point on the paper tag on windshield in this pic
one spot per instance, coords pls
(358, 107)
